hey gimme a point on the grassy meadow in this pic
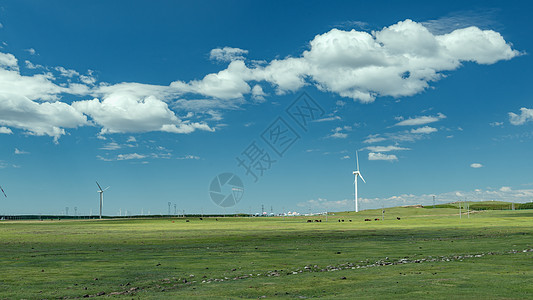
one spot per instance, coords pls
(428, 253)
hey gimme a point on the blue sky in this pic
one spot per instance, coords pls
(156, 99)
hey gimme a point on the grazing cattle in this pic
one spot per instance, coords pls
(397, 218)
(201, 218)
(186, 220)
(319, 220)
(339, 220)
(343, 220)
(376, 219)
(368, 220)
(350, 220)
(309, 221)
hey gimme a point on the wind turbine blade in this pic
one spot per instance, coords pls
(3, 191)
(106, 189)
(362, 178)
(357, 160)
(98, 185)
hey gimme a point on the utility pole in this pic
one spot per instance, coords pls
(169, 208)
(460, 213)
(262, 209)
(382, 212)
(175, 209)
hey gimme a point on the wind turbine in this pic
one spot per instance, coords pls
(101, 191)
(3, 191)
(357, 174)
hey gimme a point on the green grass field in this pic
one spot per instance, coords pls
(429, 253)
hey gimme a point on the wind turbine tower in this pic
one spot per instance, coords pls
(357, 174)
(101, 191)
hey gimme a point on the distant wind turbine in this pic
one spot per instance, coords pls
(357, 174)
(3, 191)
(101, 191)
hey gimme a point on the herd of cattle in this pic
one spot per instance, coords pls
(342, 220)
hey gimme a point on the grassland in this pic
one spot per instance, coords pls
(428, 253)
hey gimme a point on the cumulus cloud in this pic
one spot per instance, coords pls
(399, 60)
(227, 54)
(67, 72)
(8, 61)
(476, 165)
(421, 120)
(505, 189)
(381, 156)
(340, 132)
(121, 113)
(526, 115)
(5, 130)
(48, 118)
(424, 130)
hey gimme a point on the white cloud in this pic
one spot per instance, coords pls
(123, 113)
(67, 72)
(385, 148)
(258, 94)
(31, 66)
(345, 157)
(5, 130)
(327, 119)
(505, 189)
(31, 51)
(130, 156)
(189, 157)
(48, 118)
(424, 130)
(8, 61)
(526, 115)
(111, 146)
(381, 156)
(338, 132)
(131, 139)
(496, 124)
(399, 60)
(19, 152)
(227, 54)
(421, 120)
(374, 138)
(476, 165)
